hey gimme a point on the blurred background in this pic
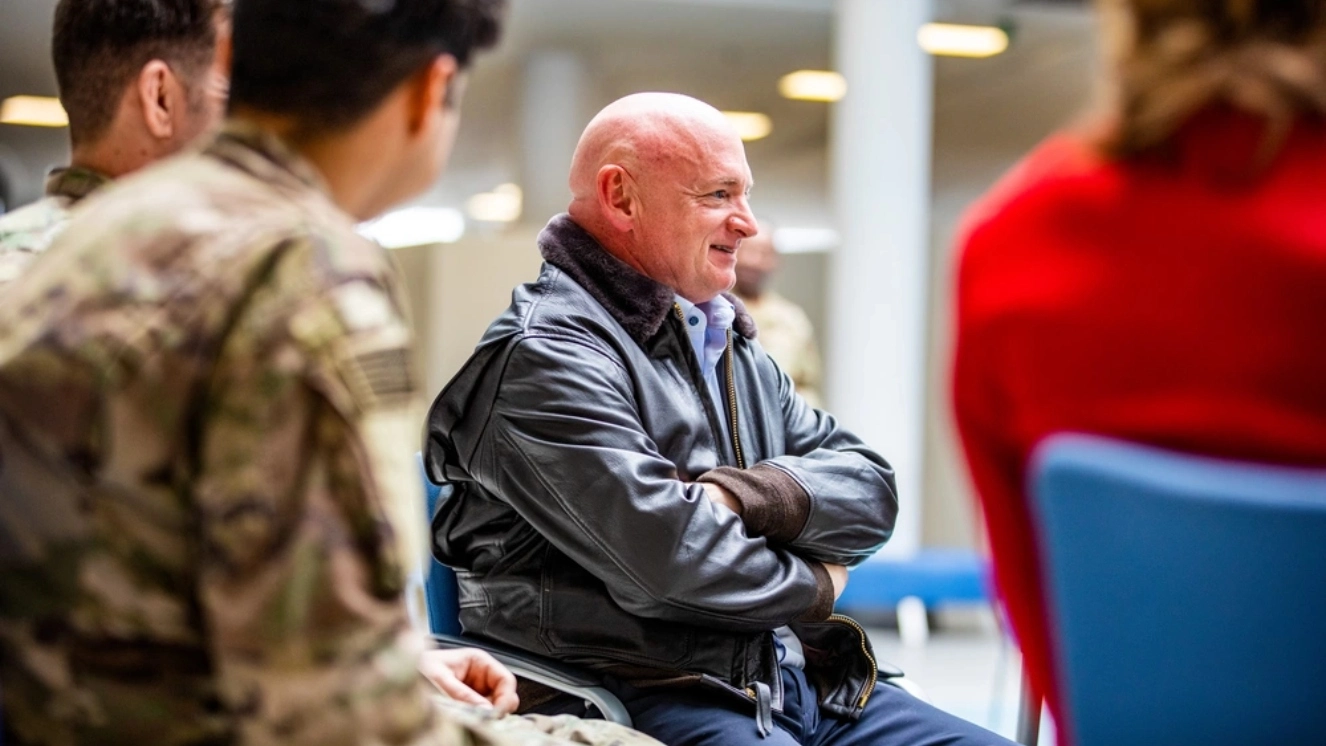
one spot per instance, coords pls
(869, 130)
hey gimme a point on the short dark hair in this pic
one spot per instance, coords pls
(328, 63)
(99, 46)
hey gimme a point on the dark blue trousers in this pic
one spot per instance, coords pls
(892, 718)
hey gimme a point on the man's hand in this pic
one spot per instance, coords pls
(838, 574)
(720, 496)
(471, 676)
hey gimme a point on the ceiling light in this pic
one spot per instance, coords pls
(416, 226)
(33, 111)
(502, 205)
(751, 125)
(813, 85)
(953, 40)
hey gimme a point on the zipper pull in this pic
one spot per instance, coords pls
(763, 709)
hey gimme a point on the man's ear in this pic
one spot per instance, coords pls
(429, 93)
(159, 98)
(225, 49)
(616, 196)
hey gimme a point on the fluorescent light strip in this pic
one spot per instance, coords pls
(751, 125)
(813, 85)
(33, 111)
(954, 40)
(416, 226)
(502, 205)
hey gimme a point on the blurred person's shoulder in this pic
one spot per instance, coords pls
(775, 315)
(1060, 172)
(27, 231)
(176, 247)
(235, 203)
(1026, 245)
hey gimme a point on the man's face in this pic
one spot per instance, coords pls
(449, 125)
(694, 214)
(421, 159)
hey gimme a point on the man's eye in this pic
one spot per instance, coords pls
(720, 194)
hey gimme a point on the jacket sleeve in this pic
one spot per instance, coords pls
(310, 515)
(566, 448)
(829, 497)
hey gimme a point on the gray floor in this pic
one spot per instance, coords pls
(965, 667)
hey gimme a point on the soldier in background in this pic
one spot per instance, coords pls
(209, 504)
(139, 80)
(785, 331)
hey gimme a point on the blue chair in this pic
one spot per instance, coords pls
(441, 598)
(1186, 594)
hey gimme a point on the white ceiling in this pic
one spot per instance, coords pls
(728, 52)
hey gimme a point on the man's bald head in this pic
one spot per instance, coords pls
(660, 180)
(653, 127)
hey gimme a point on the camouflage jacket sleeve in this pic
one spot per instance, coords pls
(309, 506)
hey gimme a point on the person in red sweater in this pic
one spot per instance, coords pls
(1160, 277)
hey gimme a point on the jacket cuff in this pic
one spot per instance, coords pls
(823, 606)
(773, 503)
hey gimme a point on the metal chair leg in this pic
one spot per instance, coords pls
(1029, 713)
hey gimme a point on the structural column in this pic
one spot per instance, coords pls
(880, 165)
(555, 105)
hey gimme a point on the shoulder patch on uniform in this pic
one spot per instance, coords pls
(377, 366)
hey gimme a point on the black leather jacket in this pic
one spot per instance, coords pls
(574, 437)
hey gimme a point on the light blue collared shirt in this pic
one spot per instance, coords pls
(707, 324)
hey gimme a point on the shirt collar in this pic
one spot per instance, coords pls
(716, 314)
(707, 325)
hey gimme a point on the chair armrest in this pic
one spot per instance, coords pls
(568, 679)
(888, 670)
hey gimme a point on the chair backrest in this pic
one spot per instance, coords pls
(1187, 594)
(441, 594)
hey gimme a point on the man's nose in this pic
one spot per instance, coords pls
(743, 221)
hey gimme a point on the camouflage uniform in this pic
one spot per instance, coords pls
(27, 231)
(206, 474)
(785, 332)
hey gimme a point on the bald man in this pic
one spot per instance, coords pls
(638, 488)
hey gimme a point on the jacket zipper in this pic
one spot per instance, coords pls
(874, 665)
(732, 403)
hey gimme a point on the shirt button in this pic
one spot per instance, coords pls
(695, 320)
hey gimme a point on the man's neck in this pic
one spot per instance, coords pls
(355, 179)
(111, 156)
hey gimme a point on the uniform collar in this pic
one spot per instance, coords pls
(264, 156)
(74, 182)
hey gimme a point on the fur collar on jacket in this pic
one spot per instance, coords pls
(639, 304)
